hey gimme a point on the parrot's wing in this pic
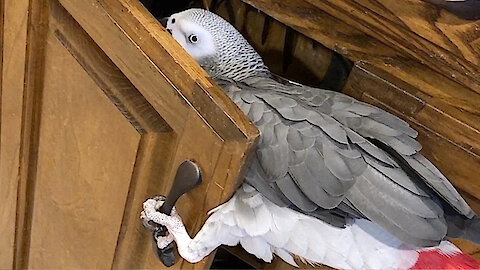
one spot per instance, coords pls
(375, 124)
(315, 153)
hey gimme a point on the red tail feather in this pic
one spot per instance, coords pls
(434, 259)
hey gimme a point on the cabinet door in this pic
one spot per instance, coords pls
(109, 108)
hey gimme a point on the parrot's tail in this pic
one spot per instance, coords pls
(445, 256)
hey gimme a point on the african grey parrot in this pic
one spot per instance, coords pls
(333, 181)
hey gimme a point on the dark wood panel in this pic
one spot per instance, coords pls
(416, 28)
(376, 31)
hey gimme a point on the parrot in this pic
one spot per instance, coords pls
(333, 180)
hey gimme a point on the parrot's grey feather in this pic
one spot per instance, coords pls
(313, 189)
(347, 207)
(398, 176)
(315, 150)
(334, 217)
(369, 148)
(460, 227)
(398, 145)
(434, 178)
(421, 206)
(394, 122)
(361, 244)
(374, 212)
(373, 128)
(269, 190)
(274, 156)
(298, 141)
(336, 163)
(290, 189)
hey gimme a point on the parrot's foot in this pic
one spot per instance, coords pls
(161, 241)
(164, 241)
(150, 213)
(175, 227)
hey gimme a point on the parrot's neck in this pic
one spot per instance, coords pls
(236, 69)
(235, 59)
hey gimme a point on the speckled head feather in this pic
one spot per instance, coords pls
(216, 45)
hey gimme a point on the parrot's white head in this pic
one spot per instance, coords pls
(216, 45)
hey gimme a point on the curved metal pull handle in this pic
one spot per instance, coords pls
(188, 176)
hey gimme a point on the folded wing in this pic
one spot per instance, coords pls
(321, 153)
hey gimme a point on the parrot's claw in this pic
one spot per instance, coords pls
(150, 213)
(164, 241)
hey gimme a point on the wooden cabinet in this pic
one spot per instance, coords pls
(99, 107)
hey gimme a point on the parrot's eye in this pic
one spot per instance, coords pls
(193, 38)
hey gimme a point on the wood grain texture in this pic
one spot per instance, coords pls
(414, 29)
(463, 9)
(152, 167)
(86, 155)
(191, 85)
(143, 118)
(2, 15)
(243, 255)
(465, 245)
(359, 44)
(14, 34)
(103, 121)
(446, 43)
(106, 75)
(166, 59)
(31, 105)
(152, 163)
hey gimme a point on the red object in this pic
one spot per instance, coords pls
(433, 259)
